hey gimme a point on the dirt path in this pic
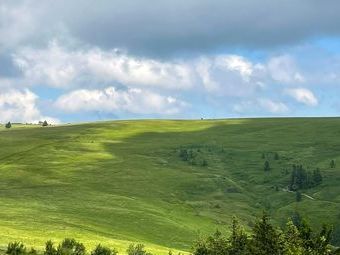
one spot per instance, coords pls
(303, 194)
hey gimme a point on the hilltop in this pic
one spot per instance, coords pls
(162, 182)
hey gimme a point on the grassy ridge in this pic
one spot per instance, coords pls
(123, 181)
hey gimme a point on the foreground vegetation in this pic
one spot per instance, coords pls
(295, 239)
(163, 183)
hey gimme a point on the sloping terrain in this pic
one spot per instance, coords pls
(161, 182)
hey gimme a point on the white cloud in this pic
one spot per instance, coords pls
(273, 106)
(229, 75)
(303, 95)
(260, 105)
(283, 69)
(20, 106)
(112, 100)
(58, 67)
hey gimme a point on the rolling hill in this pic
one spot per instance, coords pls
(161, 182)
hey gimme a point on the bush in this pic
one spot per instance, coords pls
(16, 248)
(137, 249)
(8, 125)
(45, 124)
(102, 250)
(71, 247)
(266, 166)
(49, 248)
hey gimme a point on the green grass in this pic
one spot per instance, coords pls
(123, 181)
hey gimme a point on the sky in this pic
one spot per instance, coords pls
(88, 60)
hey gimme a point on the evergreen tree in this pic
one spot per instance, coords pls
(317, 177)
(8, 125)
(266, 166)
(276, 156)
(266, 239)
(298, 196)
(16, 248)
(332, 164)
(293, 242)
(102, 250)
(49, 248)
(237, 240)
(45, 124)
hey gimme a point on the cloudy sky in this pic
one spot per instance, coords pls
(85, 60)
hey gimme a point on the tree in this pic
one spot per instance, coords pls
(238, 239)
(70, 246)
(8, 125)
(266, 239)
(49, 248)
(293, 242)
(317, 177)
(45, 124)
(102, 250)
(298, 196)
(266, 166)
(276, 156)
(332, 164)
(137, 249)
(16, 248)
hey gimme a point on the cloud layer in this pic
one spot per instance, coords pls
(168, 59)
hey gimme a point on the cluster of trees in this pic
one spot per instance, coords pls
(70, 246)
(266, 239)
(297, 238)
(192, 156)
(303, 179)
(43, 123)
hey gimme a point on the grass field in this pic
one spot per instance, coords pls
(123, 181)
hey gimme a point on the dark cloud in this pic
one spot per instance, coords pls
(162, 28)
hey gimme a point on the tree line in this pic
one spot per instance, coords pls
(70, 246)
(296, 238)
(303, 179)
(265, 239)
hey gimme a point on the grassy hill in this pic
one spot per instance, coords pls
(126, 181)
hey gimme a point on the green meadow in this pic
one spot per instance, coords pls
(125, 182)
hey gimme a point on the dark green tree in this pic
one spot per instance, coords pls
(332, 164)
(292, 241)
(49, 248)
(215, 244)
(45, 124)
(70, 246)
(266, 166)
(16, 248)
(266, 239)
(298, 196)
(137, 249)
(276, 156)
(238, 239)
(8, 125)
(102, 250)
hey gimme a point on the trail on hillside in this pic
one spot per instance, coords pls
(303, 194)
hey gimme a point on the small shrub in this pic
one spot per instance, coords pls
(8, 125)
(266, 166)
(16, 248)
(298, 196)
(49, 248)
(332, 164)
(137, 249)
(102, 250)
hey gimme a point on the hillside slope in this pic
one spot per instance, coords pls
(126, 181)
